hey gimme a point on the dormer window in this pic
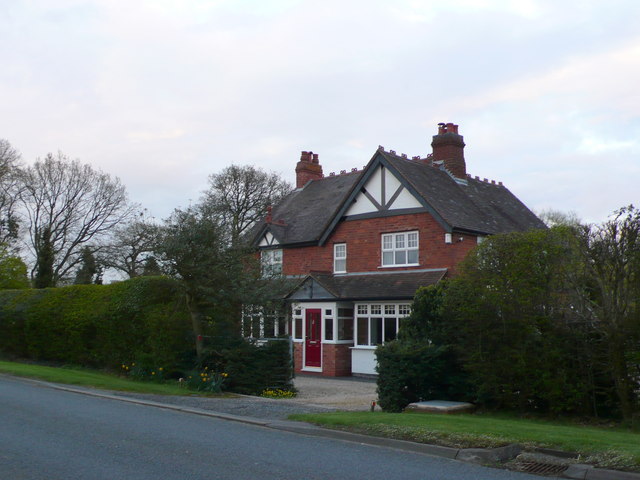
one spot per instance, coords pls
(340, 258)
(271, 262)
(400, 249)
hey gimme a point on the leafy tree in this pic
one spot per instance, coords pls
(9, 190)
(513, 325)
(67, 205)
(90, 271)
(13, 271)
(151, 267)
(239, 196)
(215, 278)
(609, 294)
(427, 322)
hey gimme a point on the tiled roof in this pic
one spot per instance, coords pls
(306, 212)
(471, 205)
(390, 286)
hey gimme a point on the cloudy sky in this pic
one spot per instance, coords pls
(162, 93)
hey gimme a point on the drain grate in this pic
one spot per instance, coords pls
(539, 468)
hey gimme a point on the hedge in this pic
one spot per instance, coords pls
(412, 371)
(142, 320)
(97, 325)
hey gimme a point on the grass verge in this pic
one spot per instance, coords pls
(89, 378)
(605, 447)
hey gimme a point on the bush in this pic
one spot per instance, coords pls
(97, 325)
(410, 371)
(252, 367)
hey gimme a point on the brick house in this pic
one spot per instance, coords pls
(357, 246)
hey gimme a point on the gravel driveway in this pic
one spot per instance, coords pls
(315, 394)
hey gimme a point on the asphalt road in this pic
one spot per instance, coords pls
(56, 435)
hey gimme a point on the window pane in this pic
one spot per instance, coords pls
(376, 331)
(376, 309)
(362, 309)
(298, 328)
(412, 256)
(389, 309)
(363, 331)
(340, 251)
(400, 241)
(390, 331)
(345, 329)
(412, 240)
(401, 257)
(328, 328)
(345, 312)
(387, 242)
(387, 258)
(340, 265)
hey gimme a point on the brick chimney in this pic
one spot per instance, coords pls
(308, 168)
(448, 147)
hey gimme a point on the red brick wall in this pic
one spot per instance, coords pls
(336, 360)
(364, 244)
(297, 356)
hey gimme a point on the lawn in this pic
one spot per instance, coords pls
(608, 446)
(90, 378)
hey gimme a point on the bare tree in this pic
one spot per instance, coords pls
(238, 197)
(67, 204)
(131, 246)
(9, 189)
(553, 218)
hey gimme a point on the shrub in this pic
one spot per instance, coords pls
(412, 371)
(253, 367)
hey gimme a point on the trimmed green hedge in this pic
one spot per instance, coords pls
(143, 320)
(97, 325)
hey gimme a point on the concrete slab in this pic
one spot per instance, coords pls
(440, 406)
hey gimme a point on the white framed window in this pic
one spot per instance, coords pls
(271, 262)
(376, 325)
(296, 324)
(340, 258)
(399, 249)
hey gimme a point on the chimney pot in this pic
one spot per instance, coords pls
(308, 168)
(448, 148)
(268, 220)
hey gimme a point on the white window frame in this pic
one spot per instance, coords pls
(271, 260)
(384, 311)
(396, 243)
(337, 258)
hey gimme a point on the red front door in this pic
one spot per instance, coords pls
(312, 341)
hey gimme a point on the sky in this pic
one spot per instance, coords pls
(163, 93)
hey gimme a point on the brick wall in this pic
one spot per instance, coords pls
(364, 244)
(297, 356)
(336, 359)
